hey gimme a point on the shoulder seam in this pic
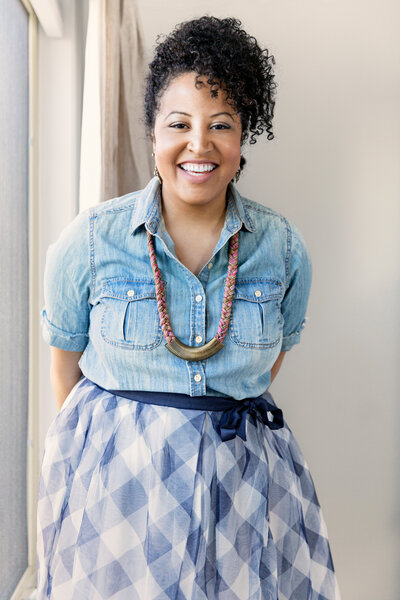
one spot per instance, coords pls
(103, 209)
(288, 250)
(108, 211)
(260, 208)
(92, 264)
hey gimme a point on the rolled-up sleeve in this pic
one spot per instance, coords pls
(67, 279)
(294, 303)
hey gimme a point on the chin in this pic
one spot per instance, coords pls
(202, 195)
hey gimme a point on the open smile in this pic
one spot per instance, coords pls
(198, 168)
(197, 171)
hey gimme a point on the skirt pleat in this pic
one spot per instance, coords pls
(138, 501)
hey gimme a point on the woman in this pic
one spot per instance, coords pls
(169, 471)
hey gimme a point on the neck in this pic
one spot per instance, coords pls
(194, 228)
(193, 217)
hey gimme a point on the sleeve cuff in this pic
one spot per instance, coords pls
(292, 339)
(75, 342)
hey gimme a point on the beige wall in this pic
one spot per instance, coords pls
(334, 170)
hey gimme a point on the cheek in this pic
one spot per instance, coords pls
(232, 153)
(166, 148)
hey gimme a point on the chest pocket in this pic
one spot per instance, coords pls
(256, 320)
(130, 315)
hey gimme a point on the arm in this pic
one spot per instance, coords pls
(295, 300)
(276, 366)
(64, 373)
(66, 311)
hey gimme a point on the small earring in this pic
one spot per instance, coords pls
(237, 175)
(155, 171)
(157, 174)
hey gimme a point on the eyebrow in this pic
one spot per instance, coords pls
(180, 112)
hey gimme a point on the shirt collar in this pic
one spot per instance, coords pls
(236, 212)
(148, 209)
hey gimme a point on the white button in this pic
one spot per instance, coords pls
(257, 293)
(197, 377)
(198, 339)
(131, 293)
(199, 298)
(210, 266)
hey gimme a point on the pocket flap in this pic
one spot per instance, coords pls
(258, 290)
(129, 289)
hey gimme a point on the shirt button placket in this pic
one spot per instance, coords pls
(197, 378)
(199, 317)
(196, 370)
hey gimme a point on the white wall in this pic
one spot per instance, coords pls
(333, 170)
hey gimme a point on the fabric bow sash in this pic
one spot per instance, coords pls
(233, 420)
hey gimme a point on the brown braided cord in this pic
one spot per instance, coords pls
(160, 293)
(228, 291)
(229, 288)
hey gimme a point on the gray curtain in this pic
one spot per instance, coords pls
(126, 153)
(14, 188)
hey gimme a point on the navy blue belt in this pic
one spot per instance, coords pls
(234, 412)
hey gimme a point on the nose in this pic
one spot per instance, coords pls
(199, 141)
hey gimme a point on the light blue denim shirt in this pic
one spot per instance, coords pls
(100, 297)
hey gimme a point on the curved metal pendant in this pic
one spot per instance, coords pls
(190, 353)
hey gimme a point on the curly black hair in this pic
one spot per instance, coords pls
(231, 60)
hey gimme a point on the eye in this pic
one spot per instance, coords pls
(178, 125)
(220, 126)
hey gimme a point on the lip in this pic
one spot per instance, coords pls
(198, 162)
(204, 177)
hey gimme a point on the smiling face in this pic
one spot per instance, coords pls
(196, 141)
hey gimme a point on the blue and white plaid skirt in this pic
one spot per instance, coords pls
(145, 502)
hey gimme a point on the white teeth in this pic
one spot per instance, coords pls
(197, 168)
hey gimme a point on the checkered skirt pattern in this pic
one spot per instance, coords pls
(146, 502)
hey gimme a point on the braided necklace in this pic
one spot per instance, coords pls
(173, 344)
